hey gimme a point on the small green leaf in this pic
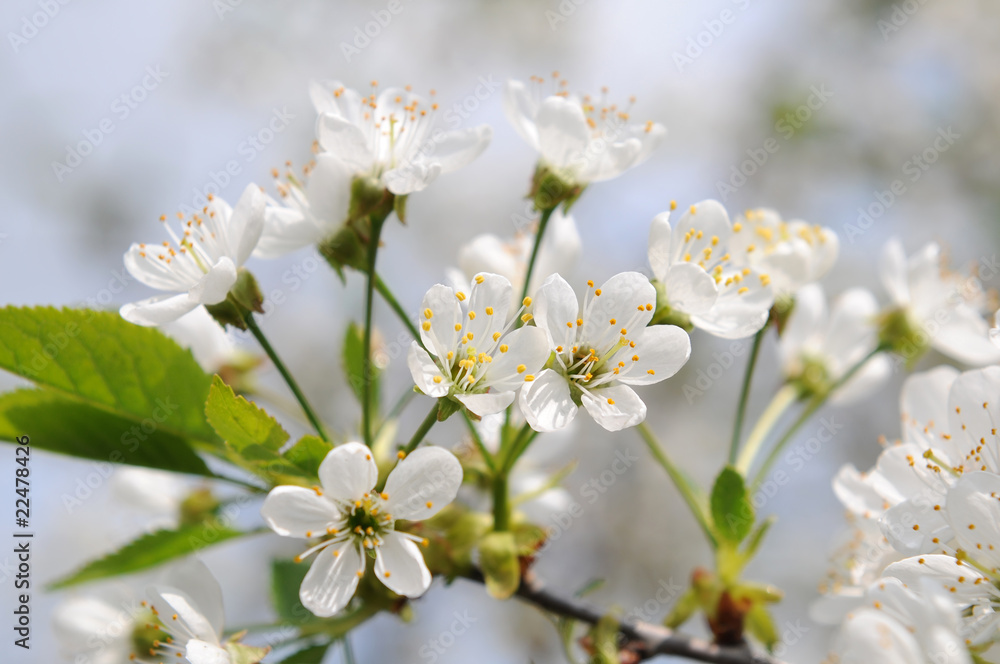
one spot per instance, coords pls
(243, 654)
(64, 425)
(354, 366)
(761, 626)
(150, 550)
(239, 422)
(448, 407)
(732, 512)
(308, 453)
(757, 536)
(99, 359)
(683, 609)
(501, 568)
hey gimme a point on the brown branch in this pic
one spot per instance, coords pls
(646, 639)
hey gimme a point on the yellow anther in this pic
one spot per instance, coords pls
(429, 504)
(597, 292)
(526, 301)
(461, 296)
(504, 348)
(426, 325)
(496, 336)
(529, 378)
(737, 227)
(611, 402)
(673, 205)
(472, 315)
(521, 368)
(480, 278)
(428, 314)
(458, 327)
(692, 209)
(489, 311)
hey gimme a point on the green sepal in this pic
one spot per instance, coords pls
(499, 563)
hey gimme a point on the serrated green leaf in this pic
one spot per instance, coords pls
(286, 577)
(239, 422)
(354, 366)
(732, 512)
(64, 425)
(309, 655)
(100, 359)
(150, 550)
(308, 453)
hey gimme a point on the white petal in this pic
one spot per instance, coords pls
(969, 420)
(487, 403)
(294, 511)
(892, 270)
(411, 177)
(924, 405)
(424, 371)
(963, 582)
(851, 332)
(400, 566)
(562, 131)
(488, 253)
(200, 652)
(556, 309)
(343, 140)
(169, 601)
(246, 224)
(286, 230)
(332, 579)
(627, 410)
(898, 526)
(489, 293)
(697, 231)
(627, 298)
(741, 310)
(459, 148)
(660, 255)
(803, 327)
(521, 109)
(153, 272)
(546, 402)
(422, 483)
(559, 252)
(528, 346)
(158, 310)
(964, 336)
(856, 492)
(194, 578)
(973, 511)
(214, 286)
(441, 302)
(870, 636)
(690, 289)
(662, 350)
(80, 621)
(329, 191)
(348, 472)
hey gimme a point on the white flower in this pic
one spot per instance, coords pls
(901, 627)
(390, 136)
(939, 302)
(820, 346)
(312, 207)
(213, 348)
(972, 511)
(794, 253)
(509, 258)
(995, 330)
(182, 622)
(472, 353)
(580, 140)
(356, 519)
(201, 262)
(601, 349)
(700, 279)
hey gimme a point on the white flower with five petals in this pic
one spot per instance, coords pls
(818, 346)
(200, 265)
(794, 253)
(580, 140)
(700, 281)
(942, 304)
(601, 350)
(472, 353)
(354, 519)
(390, 136)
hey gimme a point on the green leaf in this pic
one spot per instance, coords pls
(732, 512)
(150, 550)
(308, 453)
(354, 366)
(239, 422)
(683, 609)
(761, 626)
(309, 655)
(102, 360)
(754, 542)
(286, 577)
(64, 425)
(240, 653)
(501, 568)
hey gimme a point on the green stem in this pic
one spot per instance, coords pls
(686, 487)
(741, 408)
(783, 399)
(501, 506)
(513, 452)
(543, 222)
(376, 222)
(478, 440)
(348, 650)
(283, 370)
(811, 408)
(394, 304)
(422, 430)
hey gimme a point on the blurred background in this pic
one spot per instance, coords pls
(850, 91)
